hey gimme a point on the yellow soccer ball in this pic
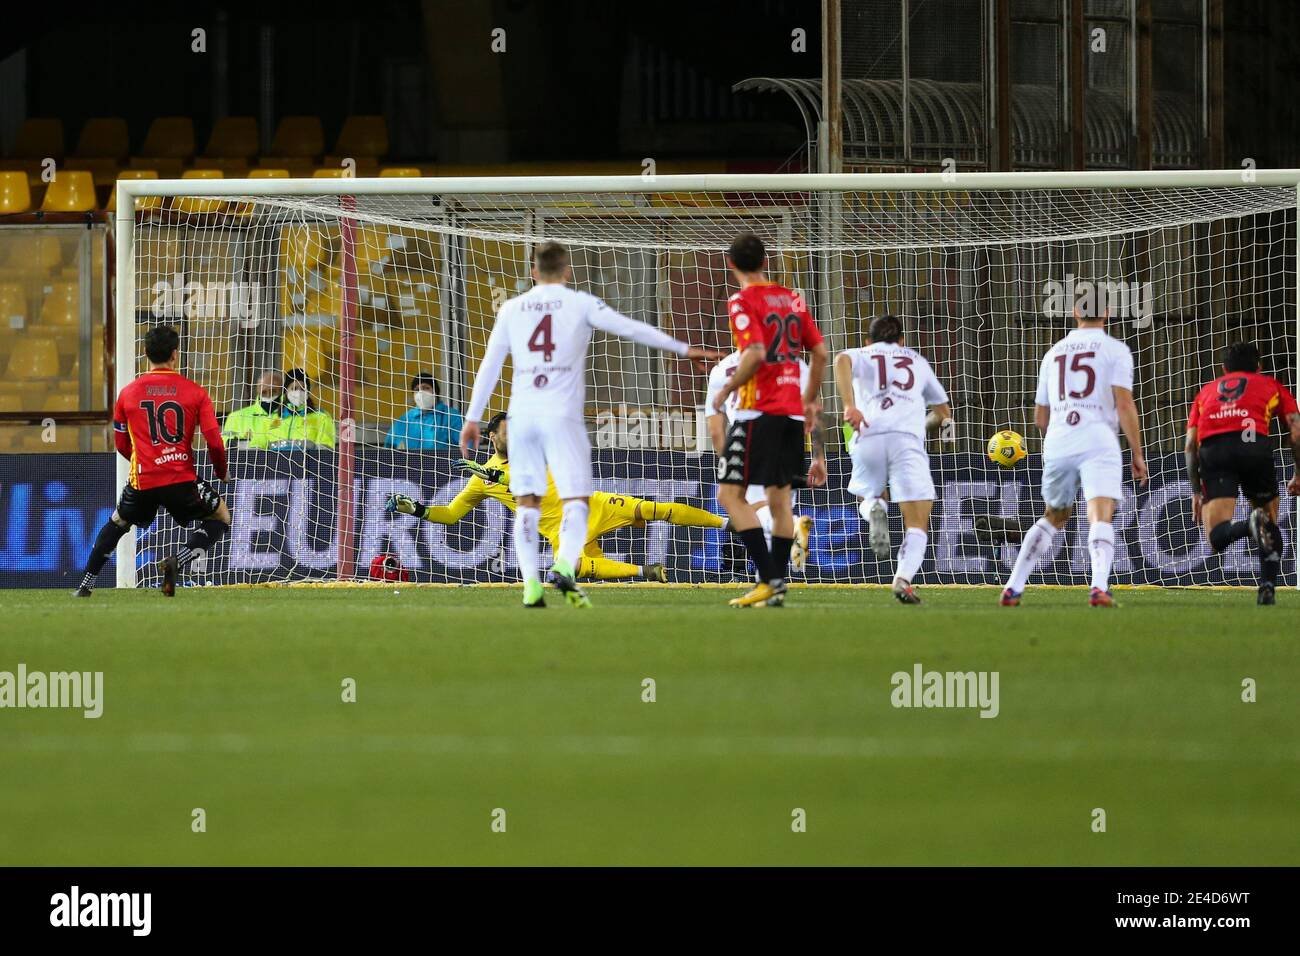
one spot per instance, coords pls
(1006, 448)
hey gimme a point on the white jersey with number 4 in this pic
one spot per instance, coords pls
(723, 371)
(892, 387)
(1076, 381)
(545, 331)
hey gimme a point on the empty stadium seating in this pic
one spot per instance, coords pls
(15, 195)
(71, 191)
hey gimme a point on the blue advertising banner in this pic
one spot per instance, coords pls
(284, 508)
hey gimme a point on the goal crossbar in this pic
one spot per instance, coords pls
(347, 190)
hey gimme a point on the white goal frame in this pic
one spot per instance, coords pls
(129, 190)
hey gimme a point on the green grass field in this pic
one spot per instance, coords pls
(230, 700)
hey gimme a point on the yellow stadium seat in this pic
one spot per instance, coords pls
(167, 167)
(38, 255)
(404, 172)
(33, 357)
(330, 172)
(199, 206)
(39, 138)
(15, 196)
(61, 402)
(231, 168)
(268, 173)
(233, 137)
(71, 191)
(11, 402)
(13, 306)
(363, 136)
(103, 170)
(62, 304)
(141, 202)
(298, 136)
(104, 138)
(171, 137)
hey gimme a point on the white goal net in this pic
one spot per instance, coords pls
(361, 287)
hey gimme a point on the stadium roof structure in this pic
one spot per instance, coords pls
(947, 121)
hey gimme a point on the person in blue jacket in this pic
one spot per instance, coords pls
(431, 424)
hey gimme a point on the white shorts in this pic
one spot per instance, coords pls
(1099, 469)
(558, 443)
(893, 459)
(756, 495)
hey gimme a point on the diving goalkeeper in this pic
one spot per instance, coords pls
(608, 511)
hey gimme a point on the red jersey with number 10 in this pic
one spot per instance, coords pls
(772, 316)
(153, 425)
(1235, 398)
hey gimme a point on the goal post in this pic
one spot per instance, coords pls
(363, 286)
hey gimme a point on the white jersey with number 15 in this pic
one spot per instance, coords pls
(545, 331)
(1076, 381)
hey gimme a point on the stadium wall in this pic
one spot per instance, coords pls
(52, 505)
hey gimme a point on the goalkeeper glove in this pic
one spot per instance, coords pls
(492, 476)
(401, 504)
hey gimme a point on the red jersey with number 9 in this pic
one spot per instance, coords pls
(1235, 399)
(772, 316)
(153, 425)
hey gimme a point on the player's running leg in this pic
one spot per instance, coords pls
(1267, 538)
(193, 557)
(802, 535)
(868, 481)
(568, 453)
(1060, 488)
(779, 505)
(916, 518)
(1101, 549)
(674, 512)
(1038, 541)
(105, 543)
(527, 515)
(1102, 478)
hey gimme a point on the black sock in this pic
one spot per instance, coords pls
(780, 558)
(1225, 533)
(109, 536)
(1270, 562)
(756, 545)
(202, 538)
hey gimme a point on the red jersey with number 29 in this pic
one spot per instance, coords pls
(1235, 399)
(772, 316)
(153, 425)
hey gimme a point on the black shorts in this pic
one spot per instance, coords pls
(185, 501)
(767, 451)
(1228, 463)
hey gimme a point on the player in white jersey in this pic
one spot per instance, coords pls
(891, 398)
(1085, 396)
(545, 331)
(756, 495)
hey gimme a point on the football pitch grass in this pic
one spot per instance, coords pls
(230, 700)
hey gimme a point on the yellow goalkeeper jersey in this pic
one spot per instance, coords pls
(476, 489)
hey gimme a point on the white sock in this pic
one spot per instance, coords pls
(911, 553)
(765, 522)
(526, 520)
(1101, 545)
(864, 508)
(573, 532)
(1037, 542)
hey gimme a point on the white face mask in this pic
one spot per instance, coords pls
(297, 397)
(425, 400)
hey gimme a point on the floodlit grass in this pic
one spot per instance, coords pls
(230, 700)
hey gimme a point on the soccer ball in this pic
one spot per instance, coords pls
(1006, 448)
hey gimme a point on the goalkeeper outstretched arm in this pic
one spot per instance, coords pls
(450, 513)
